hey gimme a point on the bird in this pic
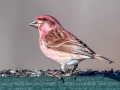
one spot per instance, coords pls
(62, 46)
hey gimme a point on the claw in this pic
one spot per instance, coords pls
(61, 79)
(58, 76)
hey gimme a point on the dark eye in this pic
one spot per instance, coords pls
(43, 19)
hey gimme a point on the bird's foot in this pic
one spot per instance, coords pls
(71, 74)
(57, 74)
(68, 74)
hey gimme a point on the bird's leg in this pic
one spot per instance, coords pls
(75, 66)
(63, 68)
(72, 71)
(60, 71)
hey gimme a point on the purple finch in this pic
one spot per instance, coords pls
(60, 45)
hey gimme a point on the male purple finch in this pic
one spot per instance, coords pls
(60, 45)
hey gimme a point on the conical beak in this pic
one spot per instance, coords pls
(33, 24)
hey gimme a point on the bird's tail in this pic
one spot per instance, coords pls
(104, 58)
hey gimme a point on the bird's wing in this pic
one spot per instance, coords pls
(64, 41)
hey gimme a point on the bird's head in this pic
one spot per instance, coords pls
(44, 22)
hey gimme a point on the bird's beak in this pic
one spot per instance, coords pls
(35, 23)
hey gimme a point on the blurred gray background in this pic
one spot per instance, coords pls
(96, 22)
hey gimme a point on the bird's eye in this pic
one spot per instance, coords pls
(43, 19)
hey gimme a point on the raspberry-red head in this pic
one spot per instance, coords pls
(44, 22)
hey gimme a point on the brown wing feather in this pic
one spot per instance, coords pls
(58, 40)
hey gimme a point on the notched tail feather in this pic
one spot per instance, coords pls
(104, 58)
